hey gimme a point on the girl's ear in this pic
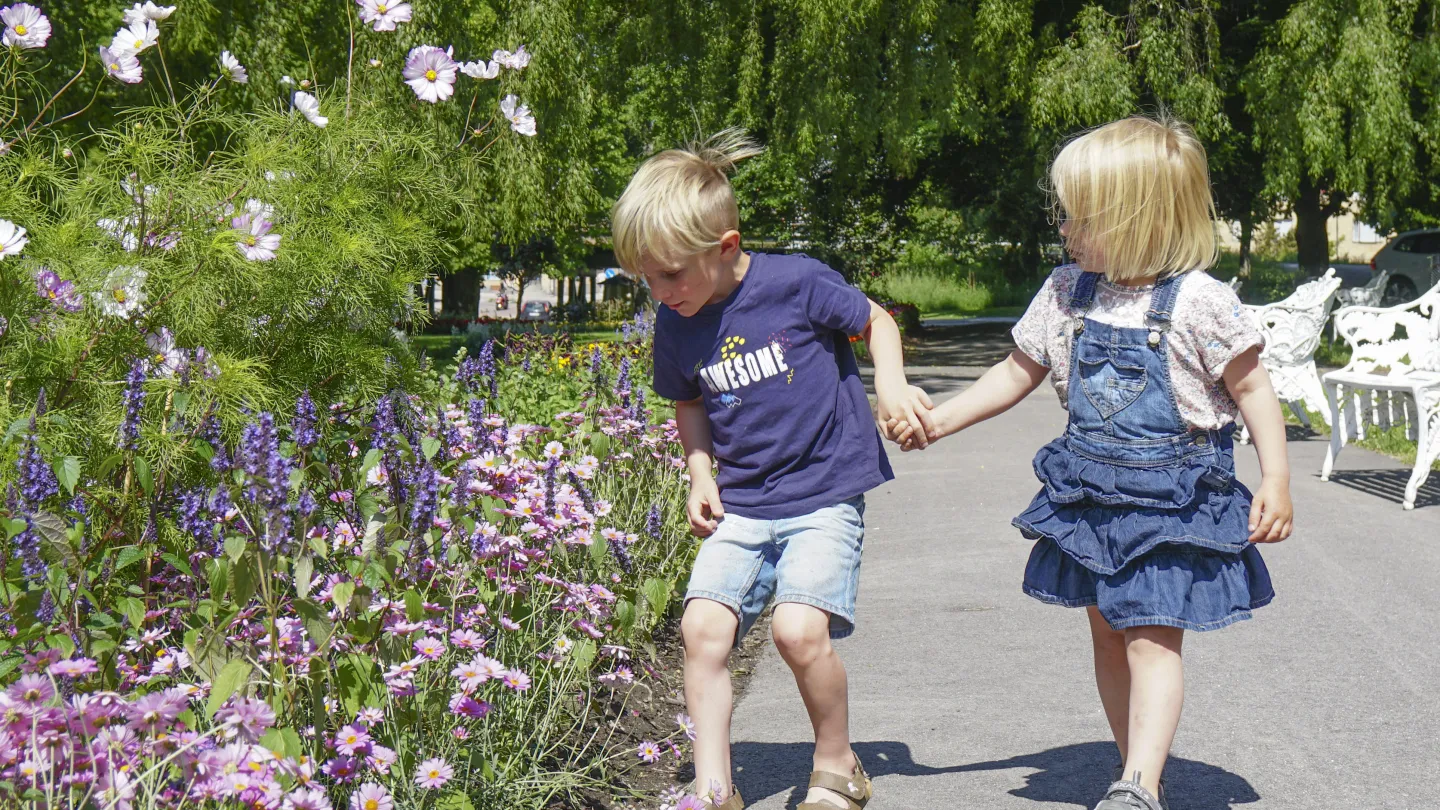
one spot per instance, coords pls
(729, 244)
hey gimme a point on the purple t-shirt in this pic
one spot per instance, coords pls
(791, 423)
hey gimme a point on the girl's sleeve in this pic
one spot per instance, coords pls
(1033, 331)
(1223, 328)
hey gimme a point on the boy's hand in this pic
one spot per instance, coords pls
(906, 408)
(1271, 513)
(704, 506)
(905, 435)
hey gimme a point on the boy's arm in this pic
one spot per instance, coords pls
(1271, 513)
(1005, 384)
(898, 401)
(703, 508)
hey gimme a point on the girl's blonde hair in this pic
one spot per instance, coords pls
(680, 202)
(1138, 192)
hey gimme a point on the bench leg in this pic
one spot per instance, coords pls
(1337, 429)
(1427, 448)
(1314, 394)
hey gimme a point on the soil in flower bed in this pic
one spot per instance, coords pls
(649, 714)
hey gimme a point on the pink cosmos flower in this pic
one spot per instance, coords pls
(256, 243)
(74, 668)
(434, 773)
(371, 796)
(251, 717)
(691, 803)
(381, 758)
(467, 639)
(33, 690)
(430, 647)
(517, 680)
(649, 752)
(341, 769)
(686, 724)
(430, 72)
(351, 740)
(25, 26)
(370, 716)
(470, 674)
(307, 799)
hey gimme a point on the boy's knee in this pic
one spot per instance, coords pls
(708, 628)
(802, 634)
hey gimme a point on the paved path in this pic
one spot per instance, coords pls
(967, 694)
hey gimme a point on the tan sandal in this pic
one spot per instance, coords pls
(855, 789)
(734, 802)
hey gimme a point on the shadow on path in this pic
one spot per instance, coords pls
(1389, 485)
(1071, 774)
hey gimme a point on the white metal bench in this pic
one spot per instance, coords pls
(1292, 330)
(1394, 372)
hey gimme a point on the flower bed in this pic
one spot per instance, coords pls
(421, 603)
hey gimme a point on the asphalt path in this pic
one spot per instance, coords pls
(965, 693)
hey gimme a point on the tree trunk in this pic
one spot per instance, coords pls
(1247, 236)
(462, 293)
(519, 295)
(1311, 244)
(559, 293)
(591, 275)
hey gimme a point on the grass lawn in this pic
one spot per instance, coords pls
(442, 348)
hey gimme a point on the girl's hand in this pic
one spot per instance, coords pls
(1271, 513)
(704, 508)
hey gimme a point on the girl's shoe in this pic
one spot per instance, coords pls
(1127, 795)
(1120, 774)
(733, 802)
(855, 789)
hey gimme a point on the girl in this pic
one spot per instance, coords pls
(1141, 520)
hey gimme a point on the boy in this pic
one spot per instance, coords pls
(755, 351)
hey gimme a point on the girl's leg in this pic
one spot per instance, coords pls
(708, 629)
(802, 634)
(1112, 676)
(1157, 692)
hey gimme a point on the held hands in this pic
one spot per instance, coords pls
(903, 416)
(704, 508)
(1271, 514)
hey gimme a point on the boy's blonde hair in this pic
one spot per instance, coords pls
(680, 202)
(1138, 190)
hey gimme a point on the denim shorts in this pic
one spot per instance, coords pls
(812, 560)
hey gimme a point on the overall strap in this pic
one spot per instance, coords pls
(1162, 301)
(1084, 292)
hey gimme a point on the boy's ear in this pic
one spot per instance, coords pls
(729, 243)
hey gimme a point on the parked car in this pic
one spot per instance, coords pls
(535, 311)
(1411, 259)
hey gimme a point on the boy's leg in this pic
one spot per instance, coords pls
(802, 635)
(1112, 676)
(708, 629)
(1157, 693)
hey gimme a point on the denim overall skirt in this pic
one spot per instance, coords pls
(1141, 515)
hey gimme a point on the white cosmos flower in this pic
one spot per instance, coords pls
(136, 38)
(430, 72)
(148, 11)
(164, 359)
(12, 238)
(515, 61)
(384, 15)
(286, 80)
(309, 106)
(121, 65)
(122, 230)
(25, 26)
(518, 114)
(481, 69)
(256, 243)
(123, 293)
(231, 68)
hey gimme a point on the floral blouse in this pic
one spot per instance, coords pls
(1209, 329)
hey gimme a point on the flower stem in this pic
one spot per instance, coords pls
(168, 86)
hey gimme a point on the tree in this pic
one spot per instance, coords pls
(1333, 92)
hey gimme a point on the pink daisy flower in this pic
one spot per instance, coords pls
(371, 796)
(434, 773)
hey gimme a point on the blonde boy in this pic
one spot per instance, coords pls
(755, 351)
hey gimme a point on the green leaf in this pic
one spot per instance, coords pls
(454, 800)
(657, 595)
(624, 615)
(67, 470)
(317, 622)
(584, 654)
(127, 556)
(142, 474)
(491, 507)
(56, 535)
(414, 606)
(372, 457)
(100, 645)
(13, 526)
(429, 446)
(204, 450)
(180, 402)
(282, 742)
(371, 538)
(597, 551)
(108, 465)
(134, 610)
(219, 577)
(183, 566)
(230, 679)
(61, 642)
(304, 568)
(243, 578)
(234, 547)
(341, 594)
